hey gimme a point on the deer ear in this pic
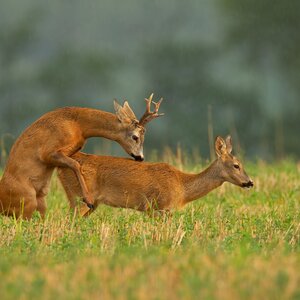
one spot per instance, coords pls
(117, 106)
(220, 146)
(129, 111)
(120, 112)
(228, 142)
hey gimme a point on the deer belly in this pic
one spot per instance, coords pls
(125, 199)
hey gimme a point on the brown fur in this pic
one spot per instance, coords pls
(50, 142)
(125, 183)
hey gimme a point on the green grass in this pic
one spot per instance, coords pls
(232, 244)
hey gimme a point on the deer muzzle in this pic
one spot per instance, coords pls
(248, 184)
(137, 157)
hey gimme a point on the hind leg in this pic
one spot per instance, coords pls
(17, 199)
(20, 208)
(30, 205)
(41, 198)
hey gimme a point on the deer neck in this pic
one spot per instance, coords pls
(96, 123)
(198, 185)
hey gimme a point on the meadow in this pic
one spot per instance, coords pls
(231, 244)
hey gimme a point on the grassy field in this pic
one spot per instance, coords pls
(232, 244)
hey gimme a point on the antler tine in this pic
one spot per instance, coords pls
(148, 115)
(150, 97)
(157, 105)
(148, 105)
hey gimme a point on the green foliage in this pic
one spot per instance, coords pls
(231, 244)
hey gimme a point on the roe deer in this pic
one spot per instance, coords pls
(122, 182)
(52, 140)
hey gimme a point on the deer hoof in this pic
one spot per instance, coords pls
(89, 205)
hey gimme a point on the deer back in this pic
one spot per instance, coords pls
(125, 183)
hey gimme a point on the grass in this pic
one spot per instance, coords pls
(232, 244)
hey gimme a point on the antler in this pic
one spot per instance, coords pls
(148, 115)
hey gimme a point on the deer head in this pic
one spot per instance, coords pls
(231, 168)
(133, 130)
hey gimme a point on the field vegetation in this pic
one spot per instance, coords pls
(232, 244)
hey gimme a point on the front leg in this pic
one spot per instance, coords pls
(83, 210)
(59, 159)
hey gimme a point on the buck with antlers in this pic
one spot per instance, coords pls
(52, 140)
(121, 182)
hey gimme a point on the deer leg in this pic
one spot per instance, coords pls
(24, 209)
(83, 209)
(17, 200)
(74, 193)
(30, 205)
(41, 206)
(59, 159)
(71, 196)
(41, 198)
(84, 212)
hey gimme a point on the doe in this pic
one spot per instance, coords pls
(122, 182)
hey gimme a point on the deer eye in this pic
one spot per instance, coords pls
(236, 166)
(135, 137)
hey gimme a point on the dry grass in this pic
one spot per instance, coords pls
(232, 244)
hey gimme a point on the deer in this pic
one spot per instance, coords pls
(53, 139)
(121, 182)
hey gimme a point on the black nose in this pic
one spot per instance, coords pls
(248, 184)
(137, 157)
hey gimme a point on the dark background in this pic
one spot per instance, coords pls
(230, 64)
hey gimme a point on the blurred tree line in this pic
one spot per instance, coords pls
(229, 64)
